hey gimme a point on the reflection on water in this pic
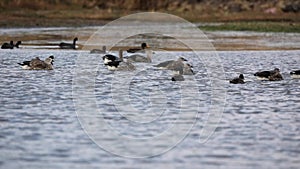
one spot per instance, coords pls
(259, 127)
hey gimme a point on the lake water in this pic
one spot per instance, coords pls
(39, 128)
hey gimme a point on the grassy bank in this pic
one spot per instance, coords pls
(288, 27)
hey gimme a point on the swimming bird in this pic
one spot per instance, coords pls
(64, 45)
(177, 67)
(135, 50)
(109, 58)
(17, 44)
(8, 45)
(38, 64)
(238, 80)
(141, 58)
(276, 76)
(103, 51)
(164, 65)
(113, 65)
(273, 75)
(177, 78)
(120, 65)
(188, 69)
(295, 74)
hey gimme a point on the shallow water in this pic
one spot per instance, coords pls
(49, 38)
(259, 128)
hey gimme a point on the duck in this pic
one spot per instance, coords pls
(295, 74)
(177, 78)
(120, 65)
(103, 51)
(8, 45)
(238, 80)
(273, 75)
(17, 44)
(141, 58)
(64, 45)
(38, 64)
(135, 50)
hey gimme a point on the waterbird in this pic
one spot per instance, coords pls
(177, 78)
(109, 58)
(166, 64)
(99, 51)
(38, 64)
(188, 69)
(238, 80)
(120, 64)
(64, 45)
(17, 44)
(8, 45)
(140, 58)
(273, 75)
(295, 74)
(141, 49)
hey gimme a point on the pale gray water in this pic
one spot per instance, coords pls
(260, 126)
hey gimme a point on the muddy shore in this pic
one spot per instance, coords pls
(222, 40)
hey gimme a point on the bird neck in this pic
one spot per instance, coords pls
(121, 55)
(149, 55)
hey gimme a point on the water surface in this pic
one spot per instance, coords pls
(259, 128)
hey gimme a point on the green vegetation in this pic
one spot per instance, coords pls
(254, 26)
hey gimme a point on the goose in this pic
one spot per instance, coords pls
(141, 58)
(188, 69)
(38, 64)
(17, 44)
(177, 67)
(109, 58)
(64, 45)
(103, 51)
(238, 80)
(273, 75)
(276, 76)
(295, 74)
(165, 64)
(8, 45)
(120, 65)
(135, 50)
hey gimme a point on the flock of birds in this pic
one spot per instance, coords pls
(180, 66)
(273, 75)
(144, 55)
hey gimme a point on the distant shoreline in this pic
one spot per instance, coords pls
(49, 38)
